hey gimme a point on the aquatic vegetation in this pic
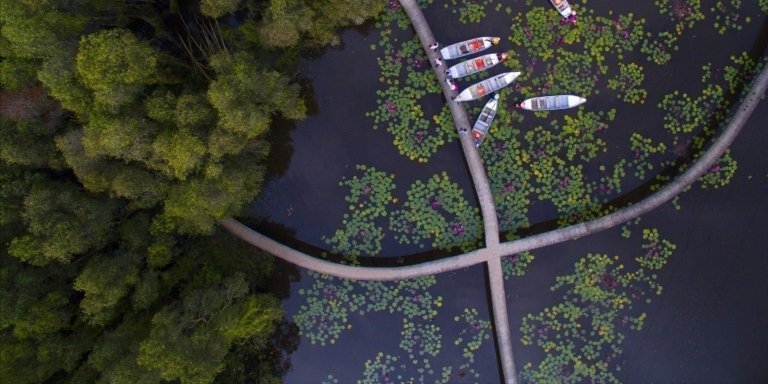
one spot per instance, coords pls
(381, 370)
(474, 333)
(628, 83)
(721, 173)
(469, 11)
(437, 210)
(685, 12)
(330, 301)
(408, 79)
(727, 16)
(685, 114)
(409, 297)
(582, 335)
(657, 250)
(736, 75)
(763, 5)
(369, 196)
(516, 265)
(609, 184)
(420, 339)
(324, 315)
(658, 49)
(642, 150)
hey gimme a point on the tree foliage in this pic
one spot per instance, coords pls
(125, 139)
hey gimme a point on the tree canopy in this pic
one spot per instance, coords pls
(129, 129)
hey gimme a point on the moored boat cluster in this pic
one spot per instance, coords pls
(495, 83)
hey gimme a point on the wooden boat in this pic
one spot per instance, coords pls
(468, 67)
(468, 47)
(487, 86)
(550, 103)
(480, 129)
(563, 7)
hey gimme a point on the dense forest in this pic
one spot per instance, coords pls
(129, 128)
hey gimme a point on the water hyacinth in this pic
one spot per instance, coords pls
(582, 335)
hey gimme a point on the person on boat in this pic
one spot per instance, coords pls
(434, 46)
(501, 56)
(494, 40)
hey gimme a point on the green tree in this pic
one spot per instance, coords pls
(188, 341)
(218, 8)
(62, 221)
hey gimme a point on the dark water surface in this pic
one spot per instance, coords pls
(710, 325)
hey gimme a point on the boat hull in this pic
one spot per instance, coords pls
(471, 66)
(467, 47)
(563, 7)
(487, 86)
(551, 103)
(483, 123)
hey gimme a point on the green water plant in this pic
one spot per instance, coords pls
(727, 16)
(516, 265)
(469, 11)
(582, 335)
(719, 174)
(420, 339)
(369, 195)
(643, 150)
(438, 211)
(324, 314)
(408, 80)
(474, 332)
(628, 83)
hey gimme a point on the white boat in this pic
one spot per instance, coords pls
(480, 129)
(468, 67)
(468, 47)
(549, 103)
(487, 86)
(563, 7)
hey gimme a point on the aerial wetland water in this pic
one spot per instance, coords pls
(376, 176)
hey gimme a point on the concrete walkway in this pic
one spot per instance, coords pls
(494, 250)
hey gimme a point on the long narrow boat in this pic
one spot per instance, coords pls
(550, 103)
(563, 7)
(480, 129)
(468, 67)
(487, 86)
(468, 47)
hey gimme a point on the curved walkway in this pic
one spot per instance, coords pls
(494, 250)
